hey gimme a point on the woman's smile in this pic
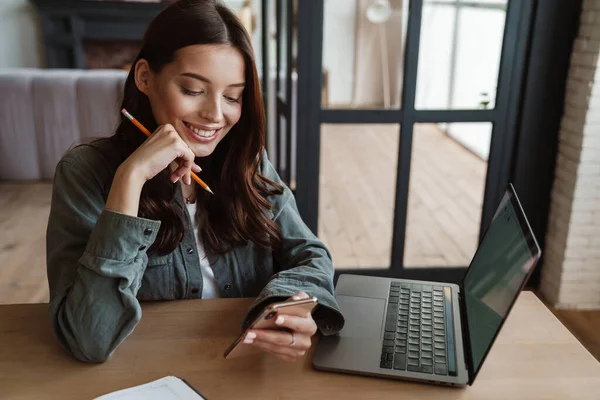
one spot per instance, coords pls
(200, 133)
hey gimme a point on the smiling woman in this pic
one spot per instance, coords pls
(203, 110)
(128, 224)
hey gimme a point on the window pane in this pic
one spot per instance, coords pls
(357, 189)
(448, 172)
(283, 40)
(363, 53)
(459, 55)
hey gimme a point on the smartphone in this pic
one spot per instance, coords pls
(266, 320)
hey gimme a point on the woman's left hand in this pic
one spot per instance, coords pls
(286, 345)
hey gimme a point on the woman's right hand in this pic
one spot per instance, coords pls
(155, 154)
(158, 152)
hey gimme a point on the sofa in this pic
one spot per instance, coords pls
(45, 112)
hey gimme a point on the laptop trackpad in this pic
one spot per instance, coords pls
(364, 316)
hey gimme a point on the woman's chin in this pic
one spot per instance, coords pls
(202, 151)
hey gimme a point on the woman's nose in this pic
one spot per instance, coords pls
(212, 111)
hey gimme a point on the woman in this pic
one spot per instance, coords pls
(128, 224)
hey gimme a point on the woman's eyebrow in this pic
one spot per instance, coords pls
(204, 79)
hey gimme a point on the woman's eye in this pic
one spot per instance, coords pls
(190, 92)
(232, 100)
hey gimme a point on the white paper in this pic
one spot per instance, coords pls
(167, 388)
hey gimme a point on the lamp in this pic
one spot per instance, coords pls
(378, 13)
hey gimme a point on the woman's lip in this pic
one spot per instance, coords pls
(202, 127)
(201, 139)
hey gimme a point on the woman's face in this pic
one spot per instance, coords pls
(199, 93)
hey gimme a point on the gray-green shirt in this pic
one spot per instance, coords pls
(99, 269)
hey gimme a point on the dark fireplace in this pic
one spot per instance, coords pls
(110, 54)
(88, 34)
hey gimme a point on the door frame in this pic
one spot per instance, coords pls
(504, 117)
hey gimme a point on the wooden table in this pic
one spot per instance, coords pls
(535, 357)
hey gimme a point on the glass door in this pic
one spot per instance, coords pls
(404, 117)
(278, 47)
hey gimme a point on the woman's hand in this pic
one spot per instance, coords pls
(286, 345)
(158, 152)
(155, 154)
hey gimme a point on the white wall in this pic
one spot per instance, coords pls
(478, 49)
(479, 42)
(255, 7)
(571, 272)
(433, 76)
(338, 49)
(20, 35)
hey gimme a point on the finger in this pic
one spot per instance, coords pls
(300, 296)
(283, 357)
(160, 128)
(187, 179)
(185, 155)
(186, 163)
(180, 170)
(167, 130)
(282, 338)
(174, 177)
(196, 168)
(298, 324)
(178, 174)
(183, 174)
(297, 296)
(279, 350)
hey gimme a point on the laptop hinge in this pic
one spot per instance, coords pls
(465, 332)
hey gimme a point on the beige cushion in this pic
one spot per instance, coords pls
(45, 112)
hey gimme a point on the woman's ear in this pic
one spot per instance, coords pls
(143, 75)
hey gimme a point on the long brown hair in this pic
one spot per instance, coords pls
(236, 213)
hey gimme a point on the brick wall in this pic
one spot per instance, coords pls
(571, 273)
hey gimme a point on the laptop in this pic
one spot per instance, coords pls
(434, 332)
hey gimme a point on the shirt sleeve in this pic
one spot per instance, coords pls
(95, 261)
(305, 263)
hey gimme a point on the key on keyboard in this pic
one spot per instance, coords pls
(419, 333)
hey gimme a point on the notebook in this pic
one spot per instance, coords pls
(167, 388)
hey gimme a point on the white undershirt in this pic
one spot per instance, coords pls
(210, 289)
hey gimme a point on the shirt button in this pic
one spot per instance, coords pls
(190, 251)
(195, 291)
(148, 231)
(228, 286)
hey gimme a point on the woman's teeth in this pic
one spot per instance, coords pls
(201, 132)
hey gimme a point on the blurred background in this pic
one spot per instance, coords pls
(398, 124)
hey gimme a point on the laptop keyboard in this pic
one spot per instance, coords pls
(419, 333)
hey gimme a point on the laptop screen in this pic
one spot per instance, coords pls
(497, 274)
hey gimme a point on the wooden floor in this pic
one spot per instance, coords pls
(357, 193)
(24, 212)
